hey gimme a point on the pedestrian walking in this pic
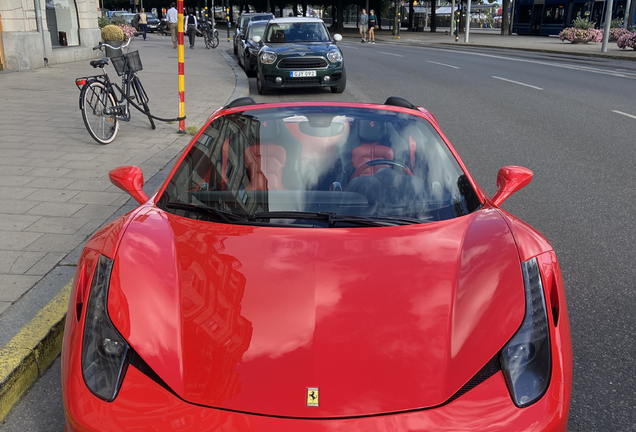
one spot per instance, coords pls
(135, 22)
(364, 21)
(172, 17)
(143, 22)
(373, 24)
(191, 22)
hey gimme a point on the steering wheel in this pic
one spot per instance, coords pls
(374, 162)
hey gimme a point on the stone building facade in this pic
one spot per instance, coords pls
(69, 31)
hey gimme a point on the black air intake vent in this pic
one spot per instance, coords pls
(302, 63)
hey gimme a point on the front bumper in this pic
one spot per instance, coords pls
(152, 27)
(269, 73)
(144, 405)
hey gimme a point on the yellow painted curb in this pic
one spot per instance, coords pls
(32, 350)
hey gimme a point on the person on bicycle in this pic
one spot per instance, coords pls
(191, 25)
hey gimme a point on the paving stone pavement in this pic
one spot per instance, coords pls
(54, 186)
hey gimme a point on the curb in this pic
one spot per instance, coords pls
(412, 42)
(30, 353)
(242, 87)
(545, 51)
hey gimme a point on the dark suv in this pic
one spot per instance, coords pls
(242, 23)
(153, 22)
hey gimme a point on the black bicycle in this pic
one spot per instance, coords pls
(210, 34)
(101, 108)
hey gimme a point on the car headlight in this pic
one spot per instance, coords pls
(104, 350)
(268, 57)
(526, 360)
(334, 56)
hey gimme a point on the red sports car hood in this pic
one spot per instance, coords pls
(378, 319)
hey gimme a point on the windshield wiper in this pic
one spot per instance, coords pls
(332, 218)
(221, 215)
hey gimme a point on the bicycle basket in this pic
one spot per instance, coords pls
(134, 62)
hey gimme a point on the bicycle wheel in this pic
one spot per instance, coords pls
(206, 38)
(141, 96)
(94, 101)
(215, 41)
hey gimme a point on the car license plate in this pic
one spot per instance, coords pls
(295, 74)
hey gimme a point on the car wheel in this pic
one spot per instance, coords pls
(240, 61)
(259, 85)
(235, 49)
(343, 84)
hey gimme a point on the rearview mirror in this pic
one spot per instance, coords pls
(510, 179)
(337, 37)
(130, 179)
(256, 39)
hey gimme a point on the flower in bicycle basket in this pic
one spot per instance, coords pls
(128, 31)
(112, 33)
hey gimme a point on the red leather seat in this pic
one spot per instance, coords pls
(265, 163)
(373, 139)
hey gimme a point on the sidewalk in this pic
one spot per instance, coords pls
(491, 38)
(54, 186)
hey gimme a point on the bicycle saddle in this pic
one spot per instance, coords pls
(99, 63)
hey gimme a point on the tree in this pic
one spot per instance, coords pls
(505, 20)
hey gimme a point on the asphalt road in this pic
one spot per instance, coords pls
(573, 122)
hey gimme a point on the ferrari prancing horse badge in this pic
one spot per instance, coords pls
(312, 396)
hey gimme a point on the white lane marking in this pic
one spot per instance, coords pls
(397, 55)
(625, 114)
(442, 64)
(558, 65)
(517, 82)
(348, 46)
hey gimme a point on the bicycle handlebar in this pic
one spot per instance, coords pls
(102, 44)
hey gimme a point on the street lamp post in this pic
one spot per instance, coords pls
(606, 25)
(467, 22)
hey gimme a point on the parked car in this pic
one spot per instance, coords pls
(127, 16)
(153, 22)
(299, 52)
(242, 22)
(248, 49)
(317, 266)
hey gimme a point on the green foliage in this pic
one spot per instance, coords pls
(583, 24)
(192, 129)
(112, 33)
(616, 23)
(118, 19)
(103, 22)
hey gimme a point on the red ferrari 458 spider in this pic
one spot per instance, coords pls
(318, 267)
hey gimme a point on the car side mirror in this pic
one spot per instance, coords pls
(130, 179)
(257, 39)
(510, 179)
(337, 37)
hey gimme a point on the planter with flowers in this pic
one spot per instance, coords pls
(582, 32)
(115, 35)
(112, 35)
(627, 40)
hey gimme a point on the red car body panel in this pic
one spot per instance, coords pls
(284, 319)
(239, 320)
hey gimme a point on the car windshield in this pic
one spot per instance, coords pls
(297, 32)
(255, 30)
(150, 16)
(288, 165)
